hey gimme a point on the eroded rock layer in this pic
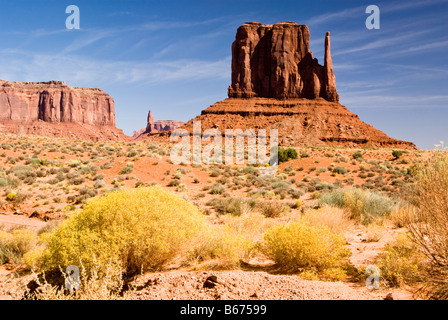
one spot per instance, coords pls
(300, 122)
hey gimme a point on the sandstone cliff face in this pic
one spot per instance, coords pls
(274, 61)
(54, 101)
(37, 108)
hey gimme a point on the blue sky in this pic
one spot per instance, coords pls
(173, 57)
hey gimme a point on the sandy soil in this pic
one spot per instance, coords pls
(247, 285)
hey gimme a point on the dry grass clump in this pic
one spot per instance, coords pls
(218, 247)
(429, 228)
(374, 232)
(250, 225)
(336, 219)
(227, 244)
(402, 215)
(14, 244)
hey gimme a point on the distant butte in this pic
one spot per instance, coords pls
(157, 126)
(54, 109)
(277, 84)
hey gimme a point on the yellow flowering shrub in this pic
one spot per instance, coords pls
(140, 229)
(299, 247)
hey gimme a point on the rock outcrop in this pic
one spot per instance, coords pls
(277, 84)
(43, 107)
(157, 126)
(274, 61)
(167, 125)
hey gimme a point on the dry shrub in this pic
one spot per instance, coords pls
(336, 219)
(15, 244)
(402, 215)
(102, 282)
(401, 263)
(299, 247)
(234, 206)
(272, 208)
(364, 205)
(429, 229)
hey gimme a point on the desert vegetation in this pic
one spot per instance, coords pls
(119, 210)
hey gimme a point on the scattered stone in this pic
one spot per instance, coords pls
(211, 282)
(389, 296)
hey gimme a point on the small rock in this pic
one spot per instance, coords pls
(254, 295)
(389, 296)
(211, 281)
(213, 278)
(209, 284)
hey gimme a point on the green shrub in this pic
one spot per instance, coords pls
(126, 170)
(340, 170)
(140, 229)
(357, 155)
(99, 184)
(298, 247)
(286, 154)
(364, 205)
(397, 154)
(217, 188)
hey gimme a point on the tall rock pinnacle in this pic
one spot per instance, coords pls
(275, 61)
(150, 123)
(330, 80)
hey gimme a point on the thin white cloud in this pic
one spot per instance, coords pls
(21, 66)
(369, 100)
(335, 16)
(383, 42)
(426, 47)
(397, 6)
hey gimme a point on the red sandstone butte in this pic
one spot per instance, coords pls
(54, 109)
(277, 84)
